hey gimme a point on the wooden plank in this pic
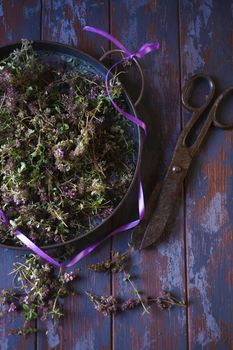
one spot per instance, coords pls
(206, 46)
(63, 21)
(7, 341)
(83, 327)
(18, 19)
(161, 268)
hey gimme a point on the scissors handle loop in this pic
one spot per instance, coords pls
(189, 87)
(216, 106)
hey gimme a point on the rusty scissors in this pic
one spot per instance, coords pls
(159, 211)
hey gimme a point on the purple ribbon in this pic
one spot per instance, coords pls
(144, 50)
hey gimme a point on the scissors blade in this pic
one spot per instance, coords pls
(157, 217)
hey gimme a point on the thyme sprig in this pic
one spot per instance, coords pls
(128, 278)
(107, 305)
(38, 291)
(115, 264)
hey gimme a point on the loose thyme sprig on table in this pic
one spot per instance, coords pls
(107, 305)
(127, 277)
(38, 292)
(67, 156)
(115, 264)
(110, 304)
(166, 301)
(39, 289)
(104, 305)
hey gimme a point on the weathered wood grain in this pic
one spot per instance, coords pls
(82, 327)
(206, 46)
(11, 321)
(63, 20)
(203, 230)
(160, 268)
(17, 20)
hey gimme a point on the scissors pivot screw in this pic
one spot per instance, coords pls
(176, 169)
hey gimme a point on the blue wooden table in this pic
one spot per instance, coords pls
(194, 260)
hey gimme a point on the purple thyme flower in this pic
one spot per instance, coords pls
(18, 199)
(59, 153)
(11, 99)
(55, 132)
(25, 299)
(32, 108)
(9, 164)
(93, 93)
(4, 79)
(61, 167)
(57, 238)
(52, 119)
(96, 77)
(17, 143)
(42, 193)
(68, 276)
(68, 192)
(12, 307)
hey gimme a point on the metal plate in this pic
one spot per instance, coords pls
(57, 53)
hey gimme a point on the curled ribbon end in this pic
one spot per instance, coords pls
(147, 48)
(87, 28)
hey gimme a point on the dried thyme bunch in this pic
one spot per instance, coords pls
(107, 305)
(115, 264)
(110, 304)
(167, 301)
(39, 292)
(66, 155)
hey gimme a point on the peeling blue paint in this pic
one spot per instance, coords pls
(10, 36)
(1, 8)
(215, 215)
(212, 331)
(198, 27)
(3, 336)
(205, 10)
(134, 10)
(30, 11)
(192, 48)
(86, 342)
(81, 12)
(97, 4)
(174, 276)
(66, 31)
(53, 337)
